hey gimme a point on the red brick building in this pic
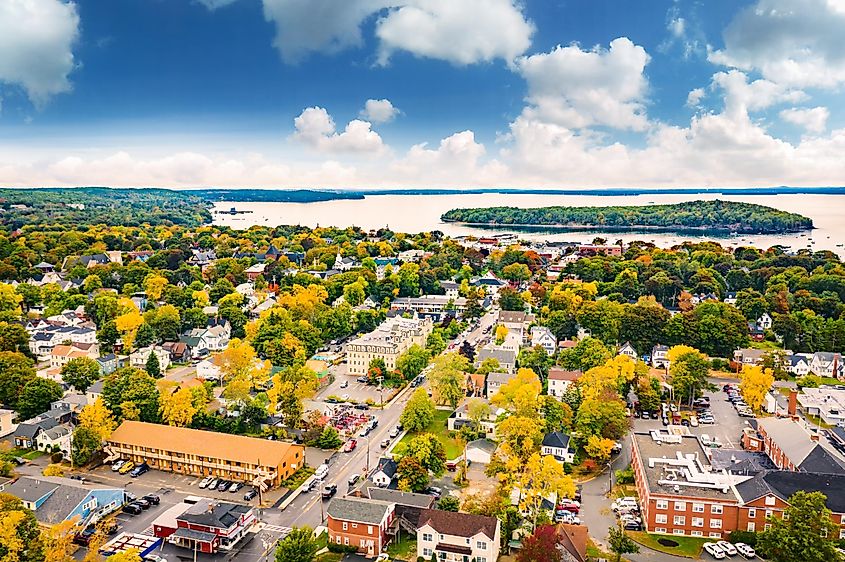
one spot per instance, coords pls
(204, 524)
(362, 523)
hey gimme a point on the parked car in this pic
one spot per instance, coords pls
(251, 494)
(363, 379)
(385, 443)
(362, 406)
(344, 384)
(434, 491)
(235, 487)
(126, 467)
(353, 479)
(329, 490)
(132, 509)
(713, 550)
(224, 485)
(395, 432)
(727, 547)
(205, 482)
(143, 503)
(117, 464)
(139, 470)
(350, 445)
(745, 550)
(153, 499)
(213, 484)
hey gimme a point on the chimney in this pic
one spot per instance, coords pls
(792, 405)
(814, 437)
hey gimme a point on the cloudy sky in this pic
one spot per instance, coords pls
(422, 93)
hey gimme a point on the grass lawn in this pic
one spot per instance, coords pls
(816, 421)
(439, 429)
(688, 547)
(27, 454)
(594, 552)
(765, 344)
(404, 549)
(297, 478)
(329, 557)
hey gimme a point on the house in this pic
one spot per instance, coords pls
(202, 258)
(61, 499)
(480, 451)
(730, 298)
(660, 357)
(108, 364)
(94, 391)
(203, 453)
(344, 264)
(24, 436)
(505, 357)
(542, 336)
(749, 356)
(451, 289)
(7, 418)
(362, 523)
(826, 364)
(388, 341)
(139, 357)
(495, 381)
(628, 349)
(178, 350)
(798, 365)
(384, 472)
(560, 379)
(204, 524)
(476, 384)
(460, 417)
(457, 537)
(61, 354)
(559, 445)
(764, 322)
(573, 542)
(490, 284)
(208, 370)
(55, 439)
(255, 271)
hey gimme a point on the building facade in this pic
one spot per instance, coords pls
(390, 340)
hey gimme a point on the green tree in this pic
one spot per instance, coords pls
(153, 367)
(377, 368)
(806, 531)
(299, 546)
(620, 543)
(428, 450)
(81, 372)
(14, 337)
(413, 476)
(86, 443)
(448, 377)
(688, 372)
(587, 353)
(134, 389)
(509, 299)
(329, 438)
(605, 417)
(419, 411)
(413, 361)
(16, 370)
(448, 503)
(36, 397)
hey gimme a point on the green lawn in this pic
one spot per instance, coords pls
(688, 547)
(439, 429)
(26, 454)
(404, 549)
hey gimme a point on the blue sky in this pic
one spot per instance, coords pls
(271, 93)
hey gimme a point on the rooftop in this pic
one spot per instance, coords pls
(459, 524)
(361, 510)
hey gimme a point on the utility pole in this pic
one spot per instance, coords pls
(610, 477)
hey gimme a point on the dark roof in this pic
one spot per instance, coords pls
(574, 540)
(386, 465)
(821, 460)
(360, 510)
(839, 433)
(30, 489)
(456, 549)
(459, 524)
(784, 483)
(400, 498)
(191, 534)
(557, 439)
(221, 515)
(739, 461)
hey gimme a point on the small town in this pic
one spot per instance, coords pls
(372, 395)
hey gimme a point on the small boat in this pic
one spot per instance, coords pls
(839, 245)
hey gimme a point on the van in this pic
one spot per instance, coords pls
(322, 472)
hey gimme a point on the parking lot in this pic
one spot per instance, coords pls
(346, 386)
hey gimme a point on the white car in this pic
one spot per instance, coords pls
(693, 421)
(206, 481)
(745, 550)
(713, 550)
(344, 384)
(729, 548)
(117, 464)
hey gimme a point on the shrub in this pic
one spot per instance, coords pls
(625, 476)
(57, 457)
(341, 548)
(748, 537)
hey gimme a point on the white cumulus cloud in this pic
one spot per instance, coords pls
(695, 96)
(36, 46)
(461, 32)
(814, 120)
(316, 128)
(379, 111)
(796, 43)
(579, 88)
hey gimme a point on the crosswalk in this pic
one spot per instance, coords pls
(282, 531)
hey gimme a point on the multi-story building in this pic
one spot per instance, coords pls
(542, 336)
(56, 499)
(390, 340)
(826, 402)
(457, 537)
(560, 379)
(204, 524)
(361, 523)
(792, 447)
(206, 453)
(435, 306)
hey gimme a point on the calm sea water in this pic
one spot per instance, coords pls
(419, 213)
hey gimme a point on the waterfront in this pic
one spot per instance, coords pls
(417, 213)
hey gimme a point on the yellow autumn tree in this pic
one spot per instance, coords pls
(176, 405)
(542, 477)
(127, 322)
(131, 555)
(501, 334)
(10, 539)
(520, 395)
(303, 302)
(239, 361)
(677, 351)
(154, 285)
(58, 541)
(98, 418)
(754, 383)
(200, 298)
(599, 448)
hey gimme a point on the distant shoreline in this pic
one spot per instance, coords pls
(633, 229)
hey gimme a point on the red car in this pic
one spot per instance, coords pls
(350, 445)
(572, 507)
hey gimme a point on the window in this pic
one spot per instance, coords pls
(752, 513)
(481, 545)
(428, 537)
(355, 525)
(767, 527)
(751, 527)
(677, 531)
(715, 523)
(715, 535)
(680, 520)
(842, 534)
(480, 559)
(698, 508)
(427, 552)
(441, 538)
(660, 518)
(337, 539)
(680, 506)
(770, 500)
(369, 529)
(768, 513)
(346, 541)
(697, 534)
(716, 509)
(660, 529)
(698, 521)
(662, 504)
(345, 525)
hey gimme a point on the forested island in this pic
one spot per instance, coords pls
(725, 216)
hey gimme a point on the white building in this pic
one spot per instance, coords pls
(139, 357)
(560, 379)
(660, 357)
(457, 537)
(542, 336)
(628, 349)
(764, 322)
(388, 341)
(559, 445)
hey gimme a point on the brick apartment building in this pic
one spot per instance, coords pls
(684, 492)
(360, 522)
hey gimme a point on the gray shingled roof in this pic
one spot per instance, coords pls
(400, 497)
(360, 510)
(784, 483)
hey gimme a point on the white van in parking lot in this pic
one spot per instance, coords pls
(322, 472)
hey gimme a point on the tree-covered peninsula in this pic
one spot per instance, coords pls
(727, 216)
